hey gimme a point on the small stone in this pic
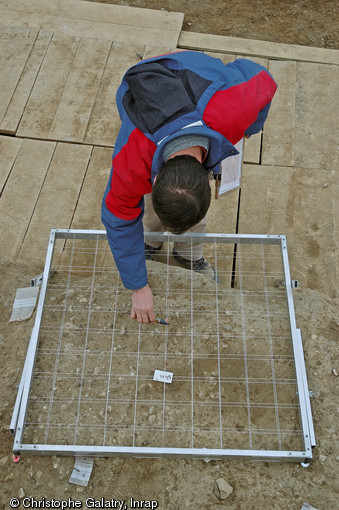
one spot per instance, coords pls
(222, 489)
(38, 475)
(319, 479)
(325, 185)
(3, 461)
(22, 493)
(335, 372)
(322, 458)
(307, 506)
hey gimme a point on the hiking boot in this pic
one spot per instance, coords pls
(201, 266)
(150, 252)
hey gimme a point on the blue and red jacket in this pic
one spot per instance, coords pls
(163, 98)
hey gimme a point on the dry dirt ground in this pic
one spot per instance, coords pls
(306, 22)
(178, 484)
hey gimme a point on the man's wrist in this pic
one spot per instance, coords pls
(141, 289)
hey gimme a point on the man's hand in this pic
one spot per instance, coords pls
(142, 305)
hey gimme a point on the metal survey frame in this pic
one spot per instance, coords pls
(20, 408)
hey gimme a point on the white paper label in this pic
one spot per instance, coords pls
(82, 471)
(162, 376)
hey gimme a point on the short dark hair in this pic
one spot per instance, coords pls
(181, 193)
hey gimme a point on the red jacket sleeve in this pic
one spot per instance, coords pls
(131, 176)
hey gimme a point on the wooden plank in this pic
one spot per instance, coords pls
(299, 203)
(13, 114)
(252, 149)
(87, 214)
(58, 198)
(258, 60)
(104, 122)
(16, 45)
(92, 11)
(226, 58)
(129, 34)
(252, 145)
(21, 193)
(154, 50)
(317, 116)
(221, 219)
(43, 103)
(279, 129)
(80, 91)
(9, 148)
(227, 205)
(250, 47)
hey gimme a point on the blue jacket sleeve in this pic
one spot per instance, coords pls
(259, 122)
(126, 240)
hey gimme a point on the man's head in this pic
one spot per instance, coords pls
(181, 193)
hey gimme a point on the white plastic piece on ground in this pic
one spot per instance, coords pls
(24, 303)
(82, 471)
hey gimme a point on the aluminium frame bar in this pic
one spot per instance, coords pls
(19, 414)
(299, 363)
(153, 452)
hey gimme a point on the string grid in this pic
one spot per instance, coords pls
(229, 348)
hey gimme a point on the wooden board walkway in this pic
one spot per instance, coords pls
(58, 124)
(78, 18)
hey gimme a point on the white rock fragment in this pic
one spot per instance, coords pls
(335, 372)
(222, 489)
(152, 418)
(307, 506)
(22, 493)
(322, 458)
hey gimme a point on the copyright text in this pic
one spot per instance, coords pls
(88, 503)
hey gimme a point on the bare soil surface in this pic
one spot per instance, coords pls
(309, 23)
(176, 483)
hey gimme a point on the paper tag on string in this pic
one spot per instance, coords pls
(162, 376)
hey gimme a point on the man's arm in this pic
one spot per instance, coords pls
(241, 105)
(126, 240)
(258, 124)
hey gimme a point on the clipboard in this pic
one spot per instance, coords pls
(230, 175)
